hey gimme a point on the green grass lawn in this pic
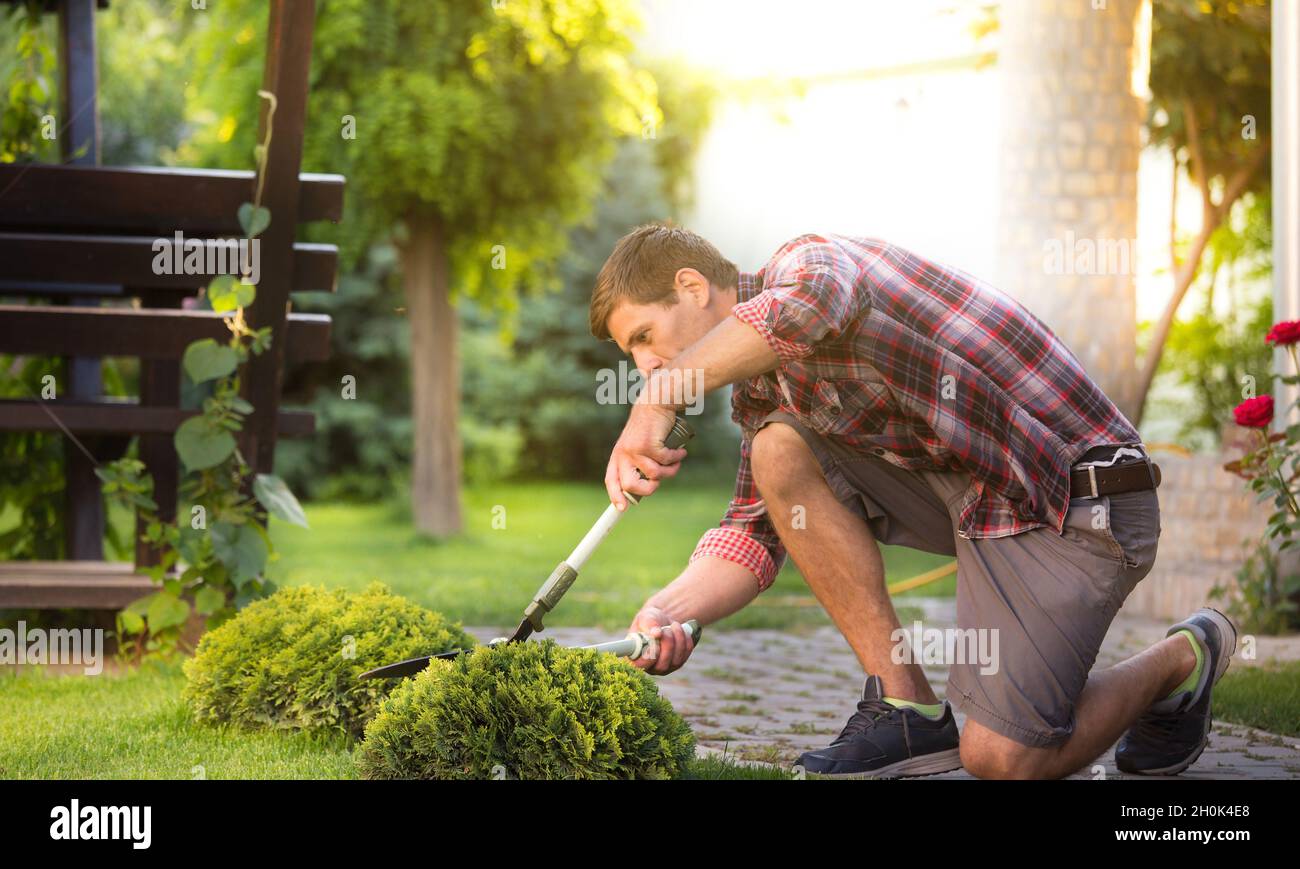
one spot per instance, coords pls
(1267, 697)
(134, 725)
(488, 575)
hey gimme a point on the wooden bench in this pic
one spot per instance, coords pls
(80, 240)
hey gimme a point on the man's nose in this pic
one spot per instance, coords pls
(647, 362)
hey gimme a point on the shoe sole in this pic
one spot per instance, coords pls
(1229, 648)
(913, 767)
(1176, 768)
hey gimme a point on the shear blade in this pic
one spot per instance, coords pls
(411, 666)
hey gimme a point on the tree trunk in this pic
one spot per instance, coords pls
(435, 378)
(1160, 334)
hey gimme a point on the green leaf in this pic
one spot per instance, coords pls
(131, 623)
(241, 549)
(227, 294)
(144, 502)
(139, 606)
(202, 445)
(208, 600)
(166, 611)
(190, 543)
(275, 496)
(254, 219)
(206, 360)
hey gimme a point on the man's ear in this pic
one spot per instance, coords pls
(694, 286)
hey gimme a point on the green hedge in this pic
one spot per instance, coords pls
(527, 711)
(291, 661)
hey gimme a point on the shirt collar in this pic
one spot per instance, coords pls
(749, 285)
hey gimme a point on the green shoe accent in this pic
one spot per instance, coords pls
(1189, 684)
(933, 711)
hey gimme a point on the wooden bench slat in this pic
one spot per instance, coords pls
(40, 289)
(149, 333)
(315, 267)
(71, 584)
(117, 416)
(36, 288)
(129, 260)
(149, 200)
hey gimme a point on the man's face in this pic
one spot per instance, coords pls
(653, 334)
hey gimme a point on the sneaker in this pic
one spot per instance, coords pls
(1172, 733)
(881, 740)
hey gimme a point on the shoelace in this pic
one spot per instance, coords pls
(1158, 728)
(869, 711)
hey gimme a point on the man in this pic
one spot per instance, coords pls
(885, 397)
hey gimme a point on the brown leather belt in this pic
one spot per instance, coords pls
(1129, 476)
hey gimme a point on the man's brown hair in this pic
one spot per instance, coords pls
(644, 265)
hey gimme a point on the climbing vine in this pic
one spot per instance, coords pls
(213, 556)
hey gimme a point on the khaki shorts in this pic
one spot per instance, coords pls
(1042, 600)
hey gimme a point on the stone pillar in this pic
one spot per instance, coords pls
(1286, 220)
(1286, 190)
(1073, 90)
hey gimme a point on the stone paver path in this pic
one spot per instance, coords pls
(769, 695)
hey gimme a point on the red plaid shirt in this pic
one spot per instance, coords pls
(924, 365)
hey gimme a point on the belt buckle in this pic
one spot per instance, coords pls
(1092, 481)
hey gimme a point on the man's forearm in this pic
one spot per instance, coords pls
(728, 352)
(709, 589)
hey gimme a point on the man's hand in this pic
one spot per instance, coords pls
(729, 352)
(669, 644)
(641, 447)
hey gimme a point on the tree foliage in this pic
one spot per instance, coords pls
(1210, 71)
(498, 118)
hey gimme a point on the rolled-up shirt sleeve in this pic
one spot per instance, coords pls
(745, 535)
(811, 294)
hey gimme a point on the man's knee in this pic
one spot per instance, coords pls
(782, 462)
(990, 755)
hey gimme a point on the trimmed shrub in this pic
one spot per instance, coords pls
(291, 660)
(531, 710)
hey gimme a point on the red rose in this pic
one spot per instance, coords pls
(1255, 412)
(1286, 332)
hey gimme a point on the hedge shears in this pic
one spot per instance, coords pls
(555, 587)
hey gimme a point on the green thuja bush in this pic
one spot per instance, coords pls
(291, 661)
(528, 711)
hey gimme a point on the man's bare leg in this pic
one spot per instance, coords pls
(837, 555)
(1111, 701)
